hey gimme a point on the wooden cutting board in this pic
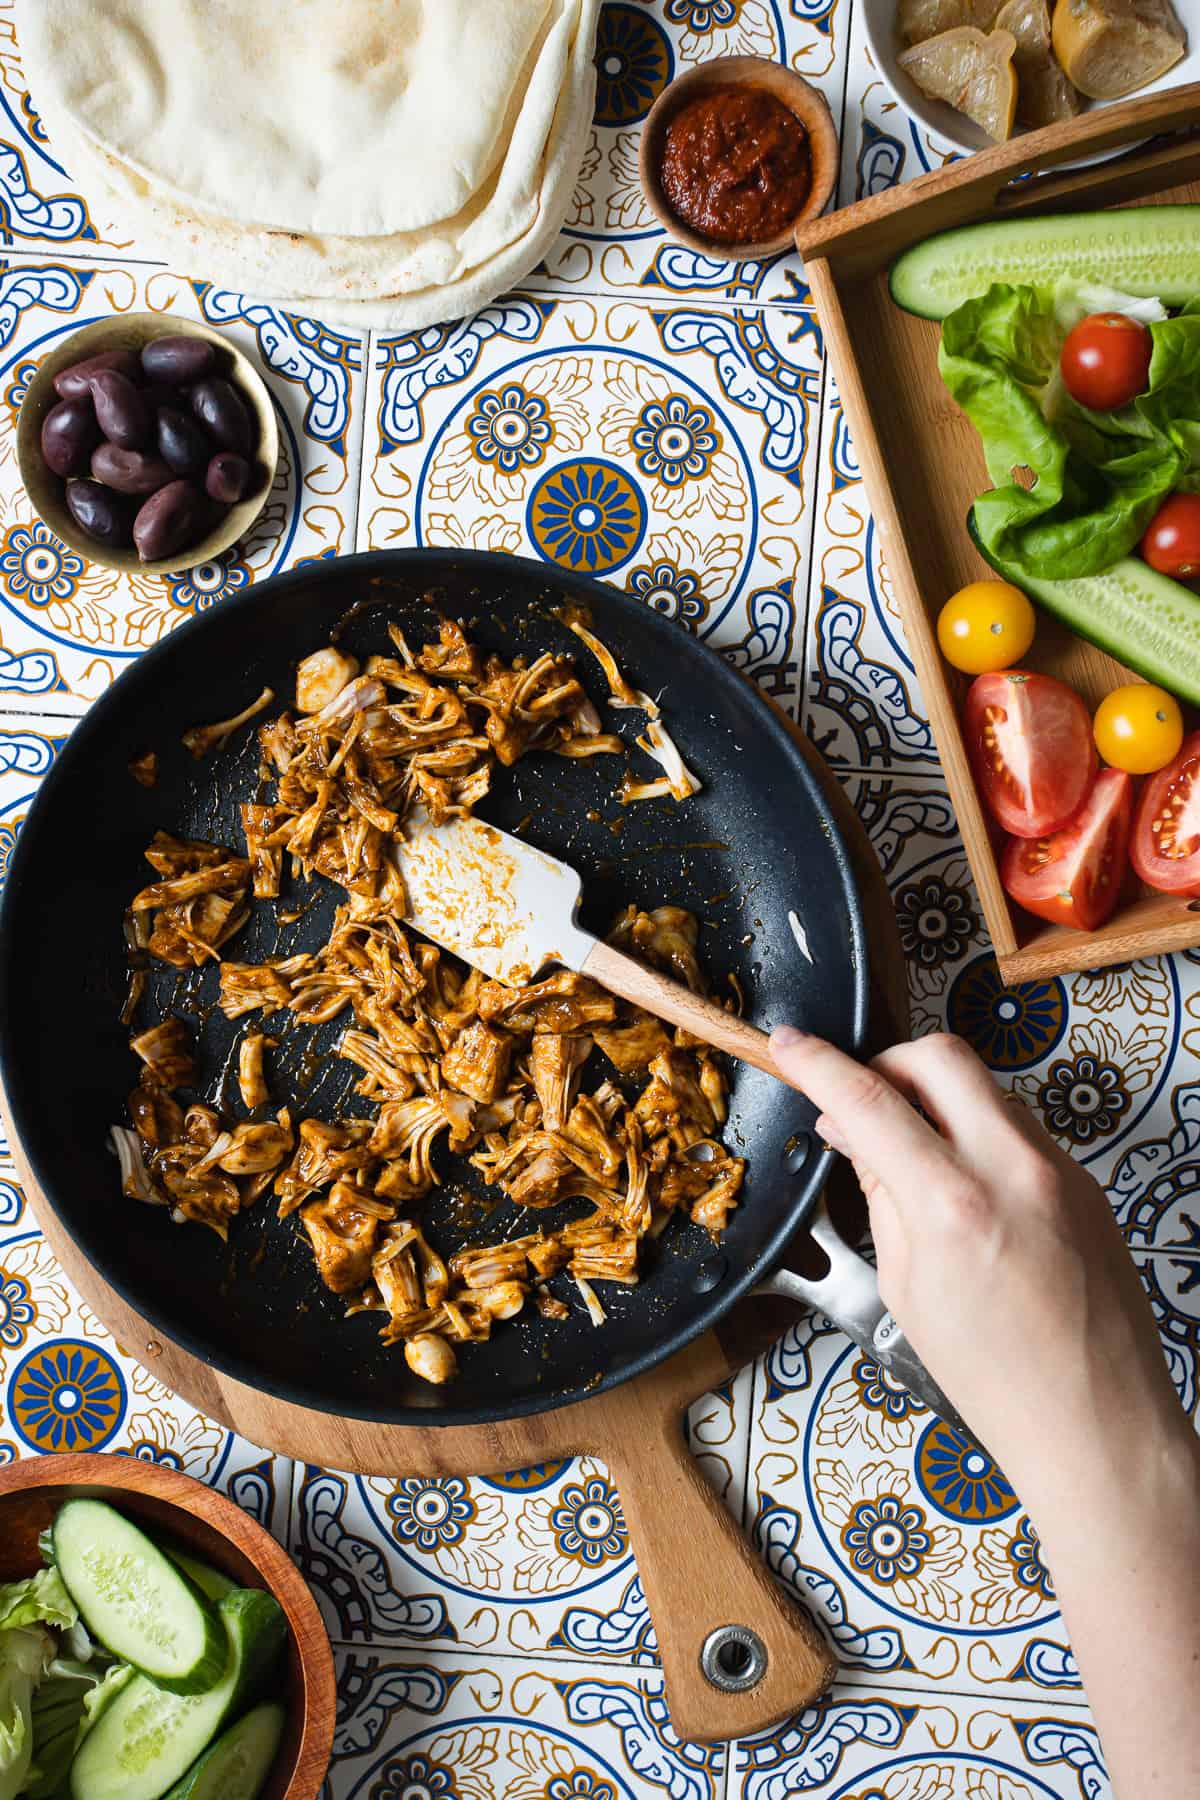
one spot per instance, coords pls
(697, 1569)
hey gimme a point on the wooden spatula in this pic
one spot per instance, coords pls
(509, 909)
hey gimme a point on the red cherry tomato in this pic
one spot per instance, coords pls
(1073, 877)
(1029, 738)
(1166, 832)
(1172, 541)
(1105, 360)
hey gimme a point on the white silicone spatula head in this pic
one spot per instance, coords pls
(502, 905)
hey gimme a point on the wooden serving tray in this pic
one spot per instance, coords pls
(923, 464)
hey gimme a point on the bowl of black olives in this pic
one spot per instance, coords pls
(147, 443)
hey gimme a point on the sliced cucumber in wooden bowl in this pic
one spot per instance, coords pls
(136, 1600)
(238, 1763)
(148, 1738)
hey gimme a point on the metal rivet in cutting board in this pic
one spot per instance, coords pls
(733, 1658)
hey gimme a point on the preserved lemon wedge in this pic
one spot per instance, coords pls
(972, 71)
(921, 19)
(1113, 47)
(1043, 92)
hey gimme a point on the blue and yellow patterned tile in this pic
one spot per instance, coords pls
(67, 1385)
(67, 625)
(718, 1428)
(885, 1746)
(611, 242)
(464, 1727)
(908, 1544)
(667, 451)
(40, 206)
(534, 1562)
(29, 743)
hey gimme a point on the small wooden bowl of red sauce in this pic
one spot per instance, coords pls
(735, 154)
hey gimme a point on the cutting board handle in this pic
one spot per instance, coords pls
(706, 1586)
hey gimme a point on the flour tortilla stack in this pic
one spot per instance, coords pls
(386, 163)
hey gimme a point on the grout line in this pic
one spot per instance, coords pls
(19, 706)
(826, 384)
(847, 1679)
(358, 448)
(372, 396)
(292, 1536)
(932, 772)
(939, 1691)
(813, 576)
(745, 1519)
(489, 1654)
(48, 250)
(841, 170)
(729, 1757)
(660, 298)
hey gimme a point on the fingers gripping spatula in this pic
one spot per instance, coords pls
(510, 910)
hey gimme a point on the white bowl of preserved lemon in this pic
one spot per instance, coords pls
(976, 72)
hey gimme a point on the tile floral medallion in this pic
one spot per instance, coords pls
(666, 423)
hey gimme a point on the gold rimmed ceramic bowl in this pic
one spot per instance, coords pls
(131, 332)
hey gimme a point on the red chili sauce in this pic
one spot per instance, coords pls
(736, 165)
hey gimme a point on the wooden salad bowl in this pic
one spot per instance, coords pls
(214, 1529)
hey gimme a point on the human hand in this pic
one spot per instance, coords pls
(1001, 1259)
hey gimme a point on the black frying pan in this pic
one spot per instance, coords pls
(754, 847)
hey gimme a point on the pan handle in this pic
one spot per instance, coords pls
(849, 1295)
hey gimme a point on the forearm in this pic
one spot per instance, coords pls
(1121, 1537)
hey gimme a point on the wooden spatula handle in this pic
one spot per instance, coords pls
(670, 1000)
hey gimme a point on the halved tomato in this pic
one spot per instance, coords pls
(1166, 833)
(1029, 738)
(1073, 877)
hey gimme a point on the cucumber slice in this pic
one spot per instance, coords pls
(148, 1738)
(212, 1584)
(135, 1600)
(240, 1760)
(1146, 620)
(1152, 252)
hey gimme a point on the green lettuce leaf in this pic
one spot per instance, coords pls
(68, 1702)
(27, 1650)
(24, 1652)
(1073, 490)
(43, 1599)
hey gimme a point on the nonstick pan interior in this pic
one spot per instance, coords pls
(754, 854)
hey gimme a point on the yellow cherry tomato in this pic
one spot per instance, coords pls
(1138, 728)
(988, 625)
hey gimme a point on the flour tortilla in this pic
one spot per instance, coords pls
(191, 245)
(401, 280)
(360, 117)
